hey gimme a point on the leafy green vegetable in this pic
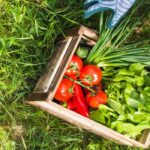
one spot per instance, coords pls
(104, 114)
(138, 117)
(147, 80)
(136, 68)
(128, 102)
(147, 90)
(134, 103)
(116, 106)
(129, 129)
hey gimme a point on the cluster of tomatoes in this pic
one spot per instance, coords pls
(81, 87)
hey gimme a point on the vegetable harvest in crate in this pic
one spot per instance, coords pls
(120, 101)
(110, 83)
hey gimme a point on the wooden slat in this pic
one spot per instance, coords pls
(63, 66)
(145, 138)
(75, 31)
(85, 123)
(37, 96)
(88, 41)
(54, 63)
(91, 34)
(147, 143)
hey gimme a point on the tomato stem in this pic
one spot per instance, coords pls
(78, 82)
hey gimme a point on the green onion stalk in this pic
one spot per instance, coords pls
(110, 50)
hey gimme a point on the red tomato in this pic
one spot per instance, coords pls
(75, 66)
(65, 90)
(73, 77)
(90, 75)
(94, 100)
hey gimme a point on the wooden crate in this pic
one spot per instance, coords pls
(47, 85)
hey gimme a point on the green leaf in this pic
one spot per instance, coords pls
(103, 114)
(129, 109)
(119, 78)
(98, 116)
(147, 90)
(139, 81)
(138, 117)
(144, 96)
(147, 80)
(129, 89)
(147, 105)
(135, 103)
(125, 72)
(105, 108)
(137, 68)
(116, 106)
(2, 43)
(129, 129)
(135, 95)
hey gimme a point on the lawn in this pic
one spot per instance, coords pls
(28, 31)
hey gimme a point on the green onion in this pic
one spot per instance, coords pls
(109, 51)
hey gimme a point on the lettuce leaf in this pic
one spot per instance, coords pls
(130, 129)
(138, 117)
(103, 114)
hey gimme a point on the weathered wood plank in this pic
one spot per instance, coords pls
(147, 143)
(54, 63)
(63, 66)
(145, 138)
(84, 31)
(85, 123)
(38, 96)
(88, 41)
(90, 34)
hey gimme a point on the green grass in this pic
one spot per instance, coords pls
(28, 31)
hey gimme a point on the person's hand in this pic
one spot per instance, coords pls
(119, 8)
